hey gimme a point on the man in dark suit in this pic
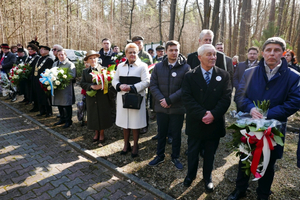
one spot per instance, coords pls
(220, 47)
(206, 95)
(206, 37)
(106, 53)
(252, 61)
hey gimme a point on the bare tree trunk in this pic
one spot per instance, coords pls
(216, 21)
(272, 13)
(183, 18)
(46, 24)
(248, 22)
(229, 52)
(236, 29)
(291, 22)
(172, 19)
(199, 11)
(207, 10)
(257, 19)
(131, 14)
(243, 29)
(223, 23)
(160, 20)
(280, 13)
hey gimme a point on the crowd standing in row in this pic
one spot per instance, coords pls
(199, 86)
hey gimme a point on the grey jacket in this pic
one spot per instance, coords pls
(8, 61)
(166, 83)
(66, 96)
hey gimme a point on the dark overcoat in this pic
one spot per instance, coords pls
(43, 99)
(98, 106)
(198, 97)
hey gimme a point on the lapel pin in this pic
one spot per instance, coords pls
(174, 74)
(218, 78)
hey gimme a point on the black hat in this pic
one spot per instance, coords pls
(20, 50)
(136, 38)
(160, 48)
(45, 47)
(5, 46)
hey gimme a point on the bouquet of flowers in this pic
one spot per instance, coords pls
(104, 77)
(254, 140)
(19, 72)
(120, 57)
(55, 78)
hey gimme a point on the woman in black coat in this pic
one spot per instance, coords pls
(98, 106)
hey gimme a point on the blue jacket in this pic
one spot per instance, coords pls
(283, 91)
(298, 153)
(239, 71)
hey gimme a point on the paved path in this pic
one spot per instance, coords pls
(36, 165)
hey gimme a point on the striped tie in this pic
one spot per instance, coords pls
(207, 79)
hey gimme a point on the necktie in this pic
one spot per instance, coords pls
(170, 66)
(105, 54)
(207, 79)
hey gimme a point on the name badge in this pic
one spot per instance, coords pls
(174, 74)
(218, 78)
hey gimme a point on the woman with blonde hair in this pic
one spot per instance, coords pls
(131, 76)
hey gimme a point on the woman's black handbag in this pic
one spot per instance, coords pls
(132, 100)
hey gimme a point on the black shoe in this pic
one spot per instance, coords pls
(34, 110)
(41, 114)
(125, 152)
(14, 99)
(209, 187)
(48, 115)
(67, 124)
(177, 163)
(8, 98)
(155, 137)
(170, 140)
(236, 194)
(157, 160)
(133, 155)
(58, 116)
(59, 122)
(187, 182)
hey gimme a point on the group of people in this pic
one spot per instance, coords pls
(199, 86)
(38, 58)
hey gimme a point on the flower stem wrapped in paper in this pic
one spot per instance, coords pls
(103, 77)
(254, 139)
(55, 78)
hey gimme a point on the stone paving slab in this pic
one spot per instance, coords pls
(36, 165)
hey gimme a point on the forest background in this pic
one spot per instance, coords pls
(82, 24)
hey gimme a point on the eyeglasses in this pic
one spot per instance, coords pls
(54, 49)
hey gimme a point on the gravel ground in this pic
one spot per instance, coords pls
(166, 177)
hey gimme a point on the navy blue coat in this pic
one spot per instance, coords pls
(298, 153)
(283, 91)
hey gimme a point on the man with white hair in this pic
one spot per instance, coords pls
(271, 80)
(206, 37)
(206, 95)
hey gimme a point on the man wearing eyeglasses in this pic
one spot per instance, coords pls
(55, 48)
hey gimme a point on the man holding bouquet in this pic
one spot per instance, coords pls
(271, 80)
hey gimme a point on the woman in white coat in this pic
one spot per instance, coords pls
(132, 75)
